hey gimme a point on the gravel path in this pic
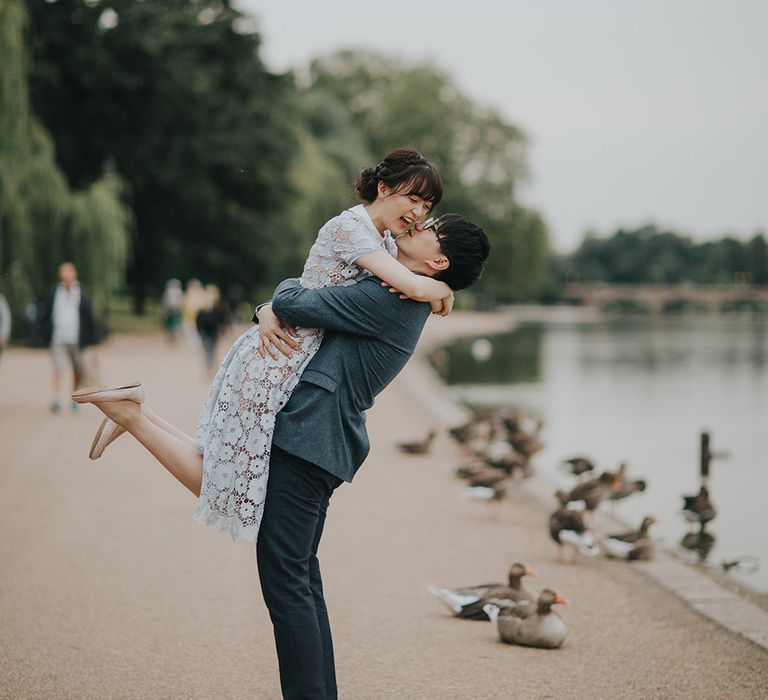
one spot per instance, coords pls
(108, 589)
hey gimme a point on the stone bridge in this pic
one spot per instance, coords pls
(668, 298)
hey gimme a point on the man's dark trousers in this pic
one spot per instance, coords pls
(298, 493)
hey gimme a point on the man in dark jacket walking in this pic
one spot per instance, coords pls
(68, 326)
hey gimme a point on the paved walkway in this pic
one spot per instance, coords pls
(108, 589)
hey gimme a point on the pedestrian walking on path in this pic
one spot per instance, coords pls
(68, 327)
(312, 439)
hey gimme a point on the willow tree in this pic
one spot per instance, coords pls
(42, 222)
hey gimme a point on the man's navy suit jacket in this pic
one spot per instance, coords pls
(370, 335)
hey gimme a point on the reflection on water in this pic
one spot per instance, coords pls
(641, 391)
(514, 358)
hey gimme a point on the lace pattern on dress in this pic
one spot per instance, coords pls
(235, 429)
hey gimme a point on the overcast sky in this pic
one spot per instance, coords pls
(637, 111)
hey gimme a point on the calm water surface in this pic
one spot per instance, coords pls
(641, 391)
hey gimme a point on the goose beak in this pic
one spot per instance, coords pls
(529, 572)
(561, 600)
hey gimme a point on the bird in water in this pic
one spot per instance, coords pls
(530, 625)
(634, 545)
(420, 447)
(699, 508)
(567, 528)
(467, 602)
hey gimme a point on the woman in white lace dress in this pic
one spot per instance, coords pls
(227, 463)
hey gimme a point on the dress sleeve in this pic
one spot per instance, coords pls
(350, 238)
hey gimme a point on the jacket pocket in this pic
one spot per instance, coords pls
(321, 379)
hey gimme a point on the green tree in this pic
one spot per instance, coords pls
(649, 256)
(42, 222)
(480, 155)
(757, 259)
(174, 97)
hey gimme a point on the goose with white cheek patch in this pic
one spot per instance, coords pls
(567, 528)
(531, 625)
(635, 545)
(467, 602)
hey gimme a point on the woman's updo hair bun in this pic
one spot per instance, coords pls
(403, 170)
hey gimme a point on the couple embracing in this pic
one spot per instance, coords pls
(284, 422)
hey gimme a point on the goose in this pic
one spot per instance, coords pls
(578, 466)
(467, 602)
(633, 545)
(566, 527)
(528, 624)
(593, 492)
(626, 486)
(492, 495)
(526, 442)
(418, 448)
(699, 508)
(489, 477)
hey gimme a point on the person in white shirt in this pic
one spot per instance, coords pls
(70, 327)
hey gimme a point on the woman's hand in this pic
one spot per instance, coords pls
(274, 334)
(443, 306)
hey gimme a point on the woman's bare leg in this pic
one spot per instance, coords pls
(168, 427)
(176, 455)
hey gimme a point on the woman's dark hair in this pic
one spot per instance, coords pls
(403, 170)
(466, 246)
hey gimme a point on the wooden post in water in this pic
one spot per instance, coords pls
(705, 457)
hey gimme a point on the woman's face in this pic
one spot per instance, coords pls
(397, 211)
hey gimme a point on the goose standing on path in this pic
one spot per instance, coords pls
(635, 545)
(417, 448)
(530, 625)
(467, 602)
(566, 527)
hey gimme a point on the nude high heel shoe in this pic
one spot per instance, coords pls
(99, 394)
(107, 433)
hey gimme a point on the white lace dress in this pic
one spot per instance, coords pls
(234, 432)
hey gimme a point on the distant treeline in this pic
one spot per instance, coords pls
(649, 256)
(192, 159)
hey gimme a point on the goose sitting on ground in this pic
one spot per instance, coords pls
(566, 527)
(626, 486)
(578, 466)
(528, 624)
(635, 545)
(467, 602)
(699, 508)
(417, 448)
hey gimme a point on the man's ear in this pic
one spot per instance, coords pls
(439, 263)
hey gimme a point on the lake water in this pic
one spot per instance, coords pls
(641, 391)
